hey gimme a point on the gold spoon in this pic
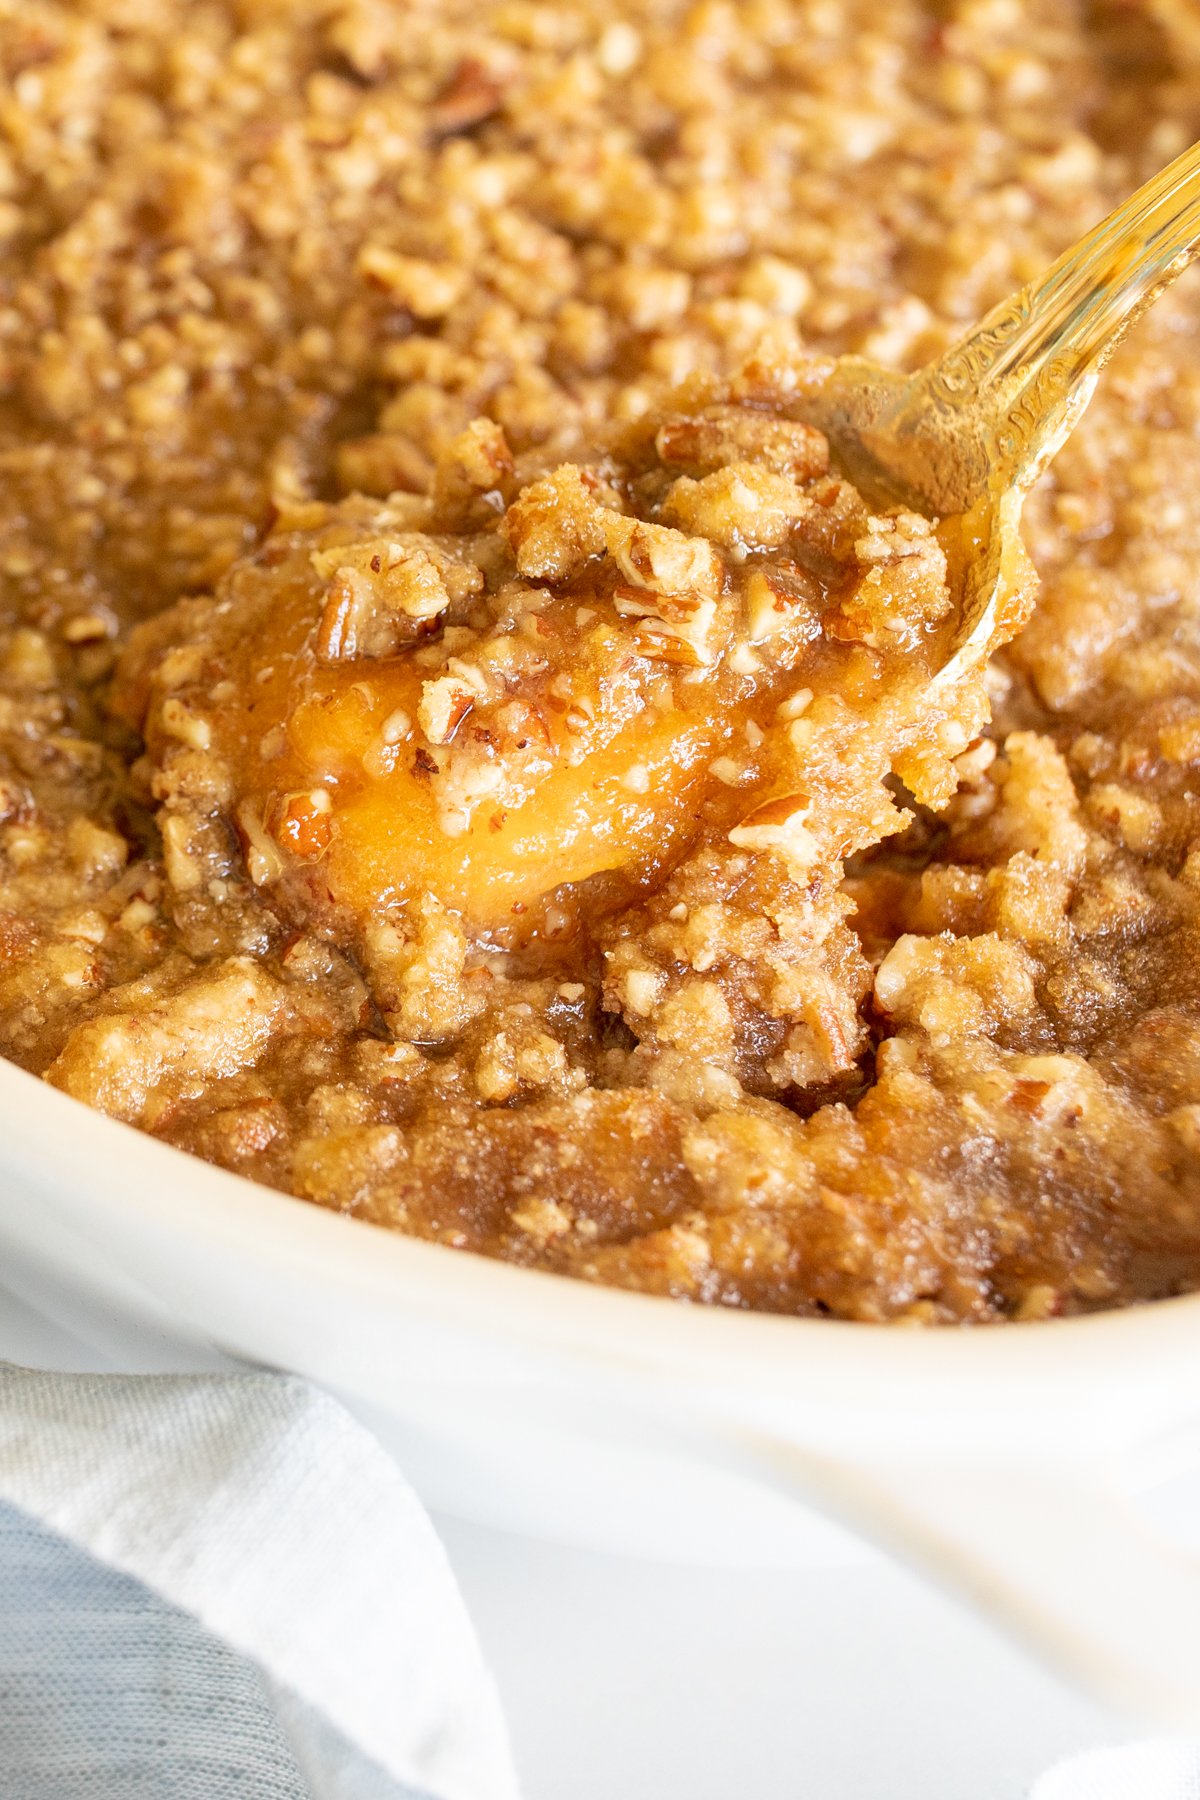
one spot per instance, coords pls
(970, 433)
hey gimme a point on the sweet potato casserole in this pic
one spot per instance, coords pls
(469, 759)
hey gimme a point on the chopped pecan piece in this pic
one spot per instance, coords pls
(446, 701)
(472, 95)
(662, 559)
(778, 825)
(385, 594)
(675, 628)
(304, 824)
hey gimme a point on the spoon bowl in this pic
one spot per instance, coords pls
(968, 435)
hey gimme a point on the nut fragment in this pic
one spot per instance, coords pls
(471, 95)
(662, 559)
(382, 595)
(477, 461)
(780, 598)
(444, 705)
(264, 863)
(678, 628)
(778, 825)
(304, 824)
(179, 721)
(428, 290)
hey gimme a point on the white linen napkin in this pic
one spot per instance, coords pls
(1158, 1769)
(221, 1587)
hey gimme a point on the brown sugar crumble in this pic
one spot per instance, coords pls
(466, 757)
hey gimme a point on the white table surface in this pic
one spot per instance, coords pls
(630, 1680)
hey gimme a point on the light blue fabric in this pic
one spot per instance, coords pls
(108, 1693)
(222, 1587)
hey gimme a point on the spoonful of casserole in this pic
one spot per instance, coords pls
(725, 631)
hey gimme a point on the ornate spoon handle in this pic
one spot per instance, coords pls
(990, 413)
(1019, 380)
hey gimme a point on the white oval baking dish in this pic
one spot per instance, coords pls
(999, 1460)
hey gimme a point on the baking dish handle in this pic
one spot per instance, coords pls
(1055, 1554)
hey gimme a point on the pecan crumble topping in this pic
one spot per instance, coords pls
(467, 759)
